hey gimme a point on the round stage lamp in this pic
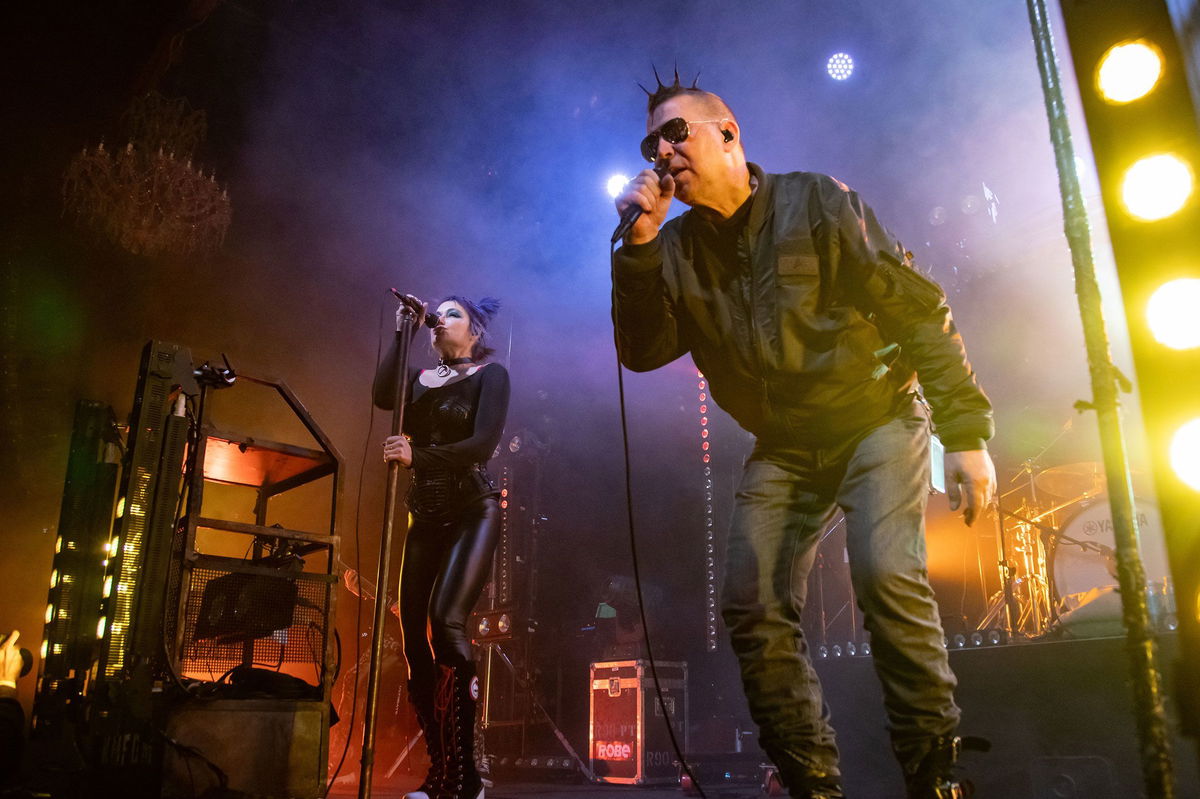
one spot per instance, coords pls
(1156, 186)
(1129, 71)
(615, 185)
(1185, 453)
(1171, 313)
(504, 624)
(840, 66)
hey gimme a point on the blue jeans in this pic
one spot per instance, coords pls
(786, 498)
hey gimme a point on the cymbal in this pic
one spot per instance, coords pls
(1072, 480)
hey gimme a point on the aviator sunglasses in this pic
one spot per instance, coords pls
(674, 131)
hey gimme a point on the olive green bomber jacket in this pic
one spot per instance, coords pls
(819, 332)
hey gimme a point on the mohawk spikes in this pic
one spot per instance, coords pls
(664, 92)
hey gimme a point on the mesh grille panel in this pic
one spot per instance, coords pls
(240, 602)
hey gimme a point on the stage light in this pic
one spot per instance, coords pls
(100, 627)
(1185, 453)
(840, 66)
(1156, 187)
(54, 578)
(45, 648)
(1171, 313)
(504, 624)
(615, 185)
(485, 625)
(1128, 71)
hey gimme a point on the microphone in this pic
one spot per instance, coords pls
(431, 319)
(634, 212)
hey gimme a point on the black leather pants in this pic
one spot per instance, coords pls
(446, 565)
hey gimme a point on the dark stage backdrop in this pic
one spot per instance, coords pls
(464, 147)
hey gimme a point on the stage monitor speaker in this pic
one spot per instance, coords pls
(240, 607)
(1059, 716)
(1085, 777)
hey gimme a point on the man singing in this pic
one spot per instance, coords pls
(812, 328)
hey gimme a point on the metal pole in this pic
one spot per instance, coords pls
(399, 400)
(1140, 646)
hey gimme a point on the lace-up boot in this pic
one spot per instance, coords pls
(423, 702)
(457, 697)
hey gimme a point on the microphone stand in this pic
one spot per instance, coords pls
(399, 399)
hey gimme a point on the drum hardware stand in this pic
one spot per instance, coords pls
(1006, 600)
(850, 602)
(1025, 612)
(526, 685)
(1029, 612)
(1106, 380)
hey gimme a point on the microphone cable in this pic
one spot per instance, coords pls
(358, 569)
(637, 576)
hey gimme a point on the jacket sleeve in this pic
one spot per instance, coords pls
(912, 309)
(12, 734)
(647, 326)
(384, 387)
(490, 416)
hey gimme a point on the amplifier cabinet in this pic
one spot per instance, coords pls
(628, 741)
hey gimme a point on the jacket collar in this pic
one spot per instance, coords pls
(761, 202)
(764, 197)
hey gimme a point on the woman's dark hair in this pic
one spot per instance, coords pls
(479, 315)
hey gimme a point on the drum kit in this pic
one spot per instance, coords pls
(1057, 556)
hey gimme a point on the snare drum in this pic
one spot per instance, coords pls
(1080, 568)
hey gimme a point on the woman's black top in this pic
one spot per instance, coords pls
(454, 430)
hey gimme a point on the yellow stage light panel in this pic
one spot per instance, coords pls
(1129, 71)
(1172, 314)
(1156, 186)
(1185, 453)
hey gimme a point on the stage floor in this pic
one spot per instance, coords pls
(1059, 716)
(520, 790)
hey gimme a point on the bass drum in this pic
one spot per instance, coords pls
(1083, 560)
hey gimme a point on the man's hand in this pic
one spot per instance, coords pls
(970, 474)
(653, 195)
(10, 658)
(397, 448)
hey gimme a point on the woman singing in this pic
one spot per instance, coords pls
(452, 424)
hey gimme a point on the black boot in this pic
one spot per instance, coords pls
(457, 698)
(803, 782)
(818, 785)
(423, 702)
(929, 771)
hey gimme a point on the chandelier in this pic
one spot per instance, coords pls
(148, 197)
